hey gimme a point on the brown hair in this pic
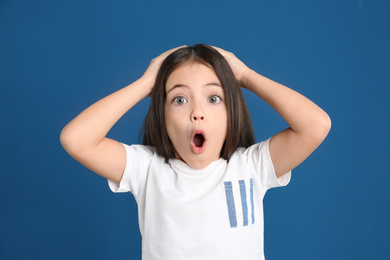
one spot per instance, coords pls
(239, 129)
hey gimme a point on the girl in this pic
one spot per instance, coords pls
(199, 179)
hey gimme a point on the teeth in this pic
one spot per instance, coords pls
(198, 140)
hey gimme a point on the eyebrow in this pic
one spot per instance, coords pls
(216, 84)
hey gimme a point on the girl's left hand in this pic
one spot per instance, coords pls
(239, 69)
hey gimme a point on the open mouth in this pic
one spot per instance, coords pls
(198, 140)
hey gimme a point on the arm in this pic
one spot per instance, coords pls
(309, 124)
(84, 138)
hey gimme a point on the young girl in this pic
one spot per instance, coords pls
(199, 179)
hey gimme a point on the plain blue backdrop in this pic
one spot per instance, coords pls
(58, 57)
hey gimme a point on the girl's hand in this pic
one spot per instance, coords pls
(239, 69)
(151, 72)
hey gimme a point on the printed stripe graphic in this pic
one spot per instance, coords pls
(230, 203)
(243, 202)
(240, 202)
(252, 204)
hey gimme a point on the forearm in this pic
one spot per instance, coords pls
(91, 126)
(302, 115)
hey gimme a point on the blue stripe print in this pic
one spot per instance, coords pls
(252, 204)
(243, 202)
(230, 203)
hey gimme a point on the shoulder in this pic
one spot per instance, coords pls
(252, 158)
(139, 152)
(254, 151)
(140, 149)
(139, 160)
(257, 157)
(140, 157)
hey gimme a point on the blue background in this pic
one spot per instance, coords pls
(58, 57)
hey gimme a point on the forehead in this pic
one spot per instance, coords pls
(192, 74)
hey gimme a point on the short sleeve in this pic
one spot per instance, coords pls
(138, 158)
(260, 157)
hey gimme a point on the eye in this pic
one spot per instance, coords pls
(214, 99)
(179, 100)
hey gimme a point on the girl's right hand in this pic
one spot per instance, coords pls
(150, 74)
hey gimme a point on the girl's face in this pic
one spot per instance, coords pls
(195, 114)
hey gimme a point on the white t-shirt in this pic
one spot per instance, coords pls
(211, 213)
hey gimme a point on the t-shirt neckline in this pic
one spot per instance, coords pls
(184, 167)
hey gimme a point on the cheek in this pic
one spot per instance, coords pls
(221, 115)
(173, 123)
(220, 123)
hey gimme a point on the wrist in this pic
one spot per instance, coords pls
(145, 85)
(245, 78)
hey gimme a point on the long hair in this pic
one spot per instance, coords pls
(239, 128)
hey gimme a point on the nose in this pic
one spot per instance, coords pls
(197, 113)
(196, 117)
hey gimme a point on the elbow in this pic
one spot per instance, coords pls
(65, 139)
(70, 141)
(321, 128)
(76, 143)
(326, 125)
